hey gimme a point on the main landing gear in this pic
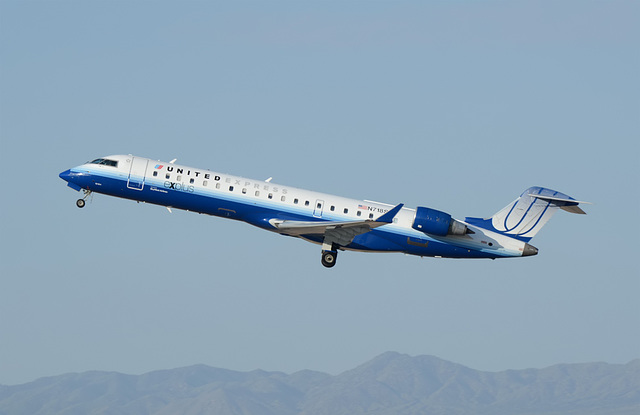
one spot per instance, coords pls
(81, 202)
(329, 258)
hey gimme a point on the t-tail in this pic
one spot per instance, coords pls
(524, 217)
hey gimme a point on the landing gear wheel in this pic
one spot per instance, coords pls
(329, 258)
(81, 202)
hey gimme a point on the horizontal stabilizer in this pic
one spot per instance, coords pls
(573, 209)
(566, 204)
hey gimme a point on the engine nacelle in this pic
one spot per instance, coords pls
(436, 222)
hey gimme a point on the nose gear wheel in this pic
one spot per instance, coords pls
(81, 202)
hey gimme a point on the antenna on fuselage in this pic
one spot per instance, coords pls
(173, 161)
(269, 179)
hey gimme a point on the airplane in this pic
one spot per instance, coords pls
(336, 223)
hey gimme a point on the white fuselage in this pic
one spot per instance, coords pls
(273, 207)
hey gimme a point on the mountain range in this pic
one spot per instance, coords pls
(391, 383)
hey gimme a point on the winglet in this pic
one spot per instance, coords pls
(388, 217)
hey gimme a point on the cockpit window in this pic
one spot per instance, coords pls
(105, 162)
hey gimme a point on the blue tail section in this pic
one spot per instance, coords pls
(524, 217)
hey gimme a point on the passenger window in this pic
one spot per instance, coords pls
(319, 205)
(155, 173)
(217, 185)
(295, 201)
(370, 215)
(346, 210)
(306, 203)
(257, 192)
(179, 178)
(395, 220)
(204, 183)
(192, 180)
(231, 188)
(244, 190)
(270, 195)
(333, 208)
(167, 176)
(359, 213)
(283, 198)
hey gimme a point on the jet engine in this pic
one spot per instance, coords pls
(439, 223)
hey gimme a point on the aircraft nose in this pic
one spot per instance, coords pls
(66, 175)
(529, 250)
(73, 179)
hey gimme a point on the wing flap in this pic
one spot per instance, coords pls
(343, 231)
(293, 227)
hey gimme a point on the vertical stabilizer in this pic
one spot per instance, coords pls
(524, 217)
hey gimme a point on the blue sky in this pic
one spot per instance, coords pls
(457, 106)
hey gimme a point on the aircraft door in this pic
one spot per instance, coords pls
(137, 173)
(317, 211)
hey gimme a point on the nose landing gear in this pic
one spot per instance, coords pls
(81, 202)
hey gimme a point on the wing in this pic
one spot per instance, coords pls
(339, 232)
